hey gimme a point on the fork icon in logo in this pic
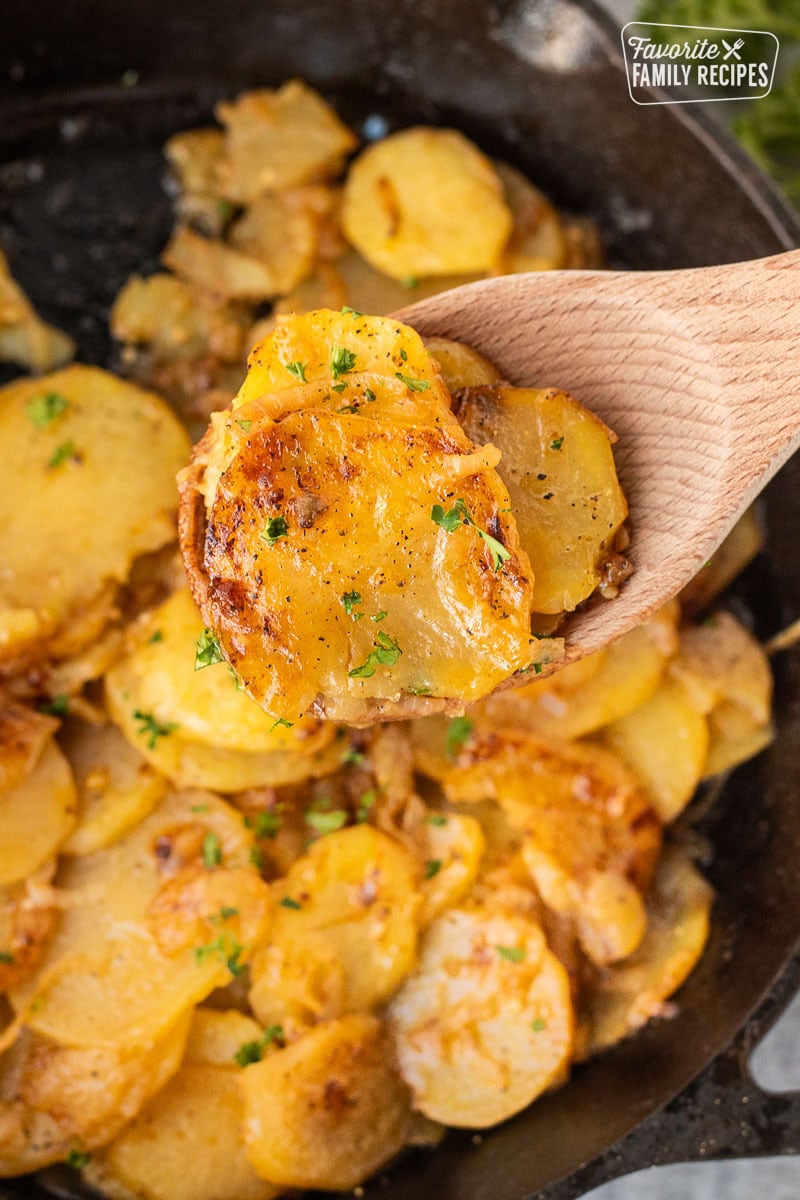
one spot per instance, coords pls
(734, 49)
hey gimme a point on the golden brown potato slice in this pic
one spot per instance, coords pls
(153, 924)
(721, 663)
(588, 694)
(485, 1023)
(218, 268)
(451, 847)
(740, 547)
(55, 1099)
(27, 917)
(328, 1111)
(665, 741)
(281, 230)
(278, 140)
(559, 469)
(590, 836)
(25, 339)
(285, 607)
(116, 787)
(461, 366)
(537, 241)
(24, 733)
(76, 507)
(216, 736)
(36, 816)
(217, 1035)
(425, 202)
(354, 898)
(623, 997)
(174, 318)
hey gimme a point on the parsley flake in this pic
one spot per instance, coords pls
(224, 210)
(327, 822)
(78, 1159)
(353, 757)
(352, 311)
(275, 528)
(56, 706)
(385, 654)
(155, 638)
(515, 954)
(342, 361)
(557, 443)
(416, 385)
(350, 600)
(45, 408)
(245, 425)
(224, 914)
(459, 514)
(207, 650)
(288, 902)
(253, 1052)
(199, 808)
(212, 851)
(62, 453)
(432, 867)
(538, 1025)
(379, 616)
(267, 824)
(226, 949)
(151, 728)
(369, 395)
(6, 958)
(281, 721)
(437, 819)
(410, 281)
(257, 858)
(339, 387)
(365, 805)
(459, 731)
(297, 369)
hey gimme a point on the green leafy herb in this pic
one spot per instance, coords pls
(199, 808)
(212, 851)
(297, 369)
(226, 949)
(449, 521)
(403, 356)
(288, 902)
(151, 728)
(369, 395)
(350, 600)
(78, 1159)
(437, 819)
(353, 757)
(379, 616)
(342, 361)
(365, 806)
(327, 822)
(257, 858)
(45, 408)
(6, 958)
(57, 706)
(557, 443)
(245, 425)
(281, 721)
(275, 528)
(459, 514)
(267, 824)
(224, 914)
(538, 1025)
(253, 1052)
(63, 452)
(207, 650)
(432, 867)
(410, 281)
(224, 210)
(459, 731)
(339, 387)
(416, 385)
(352, 311)
(514, 954)
(385, 654)
(155, 638)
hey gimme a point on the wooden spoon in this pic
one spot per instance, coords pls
(697, 371)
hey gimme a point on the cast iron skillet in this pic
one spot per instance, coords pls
(540, 82)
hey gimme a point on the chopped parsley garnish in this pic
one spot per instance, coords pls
(275, 528)
(459, 514)
(342, 361)
(257, 858)
(281, 721)
(353, 757)
(207, 650)
(459, 731)
(347, 408)
(6, 958)
(365, 805)
(537, 668)
(297, 369)
(538, 1025)
(288, 902)
(557, 443)
(515, 954)
(369, 395)
(253, 1052)
(199, 808)
(339, 387)
(379, 616)
(432, 867)
(212, 851)
(224, 210)
(45, 408)
(327, 822)
(63, 452)
(245, 425)
(350, 600)
(151, 728)
(226, 949)
(403, 356)
(224, 914)
(155, 638)
(416, 385)
(385, 654)
(437, 819)
(266, 824)
(56, 706)
(78, 1159)
(352, 311)
(410, 281)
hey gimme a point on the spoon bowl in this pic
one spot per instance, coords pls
(697, 373)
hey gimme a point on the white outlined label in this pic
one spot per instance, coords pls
(696, 63)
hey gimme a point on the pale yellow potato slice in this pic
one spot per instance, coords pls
(278, 140)
(55, 1099)
(175, 318)
(217, 736)
(70, 528)
(425, 202)
(24, 733)
(740, 547)
(355, 899)
(621, 998)
(461, 366)
(726, 751)
(451, 847)
(152, 924)
(281, 230)
(590, 835)
(25, 339)
(298, 985)
(485, 1023)
(329, 1110)
(36, 816)
(665, 741)
(216, 1036)
(537, 241)
(595, 691)
(116, 787)
(559, 469)
(194, 156)
(28, 915)
(218, 268)
(721, 662)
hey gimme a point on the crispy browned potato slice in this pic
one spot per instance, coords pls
(27, 918)
(278, 140)
(559, 469)
(56, 1098)
(327, 1111)
(425, 202)
(590, 836)
(621, 998)
(537, 241)
(484, 1025)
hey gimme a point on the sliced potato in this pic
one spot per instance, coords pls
(28, 916)
(590, 836)
(54, 1098)
(216, 1036)
(726, 751)
(217, 736)
(76, 507)
(218, 268)
(153, 923)
(451, 847)
(353, 898)
(461, 366)
(281, 230)
(116, 787)
(720, 662)
(36, 816)
(173, 317)
(485, 1023)
(24, 733)
(25, 339)
(537, 241)
(559, 469)
(195, 156)
(665, 741)
(370, 291)
(425, 202)
(595, 691)
(278, 140)
(739, 548)
(328, 1111)
(623, 997)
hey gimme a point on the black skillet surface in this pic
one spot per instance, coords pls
(88, 93)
